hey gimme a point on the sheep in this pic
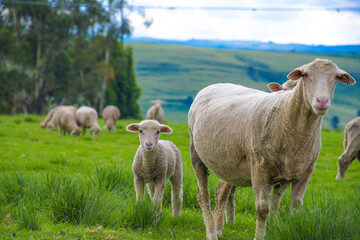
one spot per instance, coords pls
(156, 112)
(66, 119)
(50, 121)
(351, 147)
(87, 118)
(288, 85)
(110, 114)
(248, 137)
(154, 162)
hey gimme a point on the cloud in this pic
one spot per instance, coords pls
(307, 27)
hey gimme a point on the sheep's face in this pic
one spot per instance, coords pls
(157, 103)
(95, 131)
(149, 131)
(76, 132)
(320, 78)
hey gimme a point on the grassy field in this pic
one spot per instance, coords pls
(175, 73)
(54, 187)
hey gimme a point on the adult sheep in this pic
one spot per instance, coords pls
(87, 118)
(51, 120)
(156, 112)
(268, 141)
(351, 147)
(110, 114)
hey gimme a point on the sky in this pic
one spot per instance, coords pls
(316, 24)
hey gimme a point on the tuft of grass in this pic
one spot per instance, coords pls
(112, 177)
(27, 216)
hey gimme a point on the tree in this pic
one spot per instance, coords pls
(334, 122)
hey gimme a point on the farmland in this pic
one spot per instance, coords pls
(54, 187)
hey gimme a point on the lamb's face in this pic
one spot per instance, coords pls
(149, 132)
(320, 78)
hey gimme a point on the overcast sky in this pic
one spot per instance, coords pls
(320, 26)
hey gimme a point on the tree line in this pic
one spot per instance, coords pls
(66, 52)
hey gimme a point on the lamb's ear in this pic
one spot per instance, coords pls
(165, 129)
(345, 78)
(274, 87)
(296, 73)
(134, 127)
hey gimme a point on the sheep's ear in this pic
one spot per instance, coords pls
(134, 127)
(165, 129)
(345, 78)
(274, 87)
(296, 74)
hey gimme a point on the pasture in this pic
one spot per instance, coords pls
(54, 187)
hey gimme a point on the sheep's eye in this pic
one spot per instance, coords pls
(157, 132)
(140, 131)
(305, 75)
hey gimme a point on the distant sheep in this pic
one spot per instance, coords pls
(65, 118)
(50, 121)
(351, 147)
(154, 162)
(288, 85)
(156, 112)
(268, 141)
(87, 118)
(110, 114)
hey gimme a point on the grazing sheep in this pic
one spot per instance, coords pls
(65, 117)
(154, 162)
(50, 120)
(156, 112)
(268, 141)
(110, 114)
(351, 147)
(288, 85)
(87, 118)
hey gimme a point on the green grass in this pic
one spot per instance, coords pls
(175, 72)
(54, 187)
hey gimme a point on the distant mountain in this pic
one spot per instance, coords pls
(255, 45)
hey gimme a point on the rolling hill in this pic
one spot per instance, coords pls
(175, 73)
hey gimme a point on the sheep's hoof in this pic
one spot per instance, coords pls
(338, 177)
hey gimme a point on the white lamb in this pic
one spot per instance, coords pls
(156, 112)
(268, 141)
(87, 118)
(154, 162)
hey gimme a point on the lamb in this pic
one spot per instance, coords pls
(154, 162)
(351, 147)
(65, 117)
(50, 121)
(288, 85)
(87, 118)
(268, 141)
(110, 114)
(156, 112)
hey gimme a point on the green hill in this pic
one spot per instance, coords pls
(176, 73)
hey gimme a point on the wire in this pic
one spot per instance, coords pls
(204, 8)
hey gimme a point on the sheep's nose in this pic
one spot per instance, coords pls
(148, 145)
(322, 100)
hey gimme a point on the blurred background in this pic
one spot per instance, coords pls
(127, 53)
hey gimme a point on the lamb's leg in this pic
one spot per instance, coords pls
(222, 195)
(151, 189)
(203, 196)
(262, 191)
(159, 191)
(230, 206)
(345, 161)
(139, 188)
(279, 190)
(299, 187)
(176, 193)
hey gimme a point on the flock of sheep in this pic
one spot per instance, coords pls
(246, 137)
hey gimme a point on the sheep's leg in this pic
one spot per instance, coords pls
(203, 196)
(279, 190)
(230, 206)
(159, 192)
(345, 161)
(139, 188)
(151, 189)
(262, 191)
(299, 187)
(176, 193)
(83, 130)
(222, 195)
